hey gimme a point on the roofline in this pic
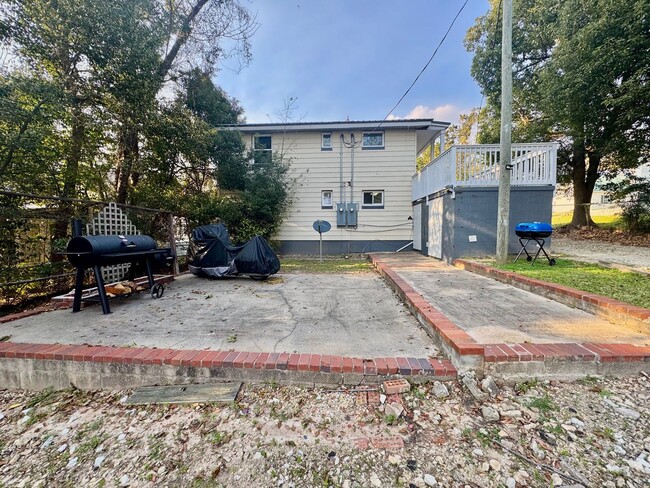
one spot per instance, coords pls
(422, 124)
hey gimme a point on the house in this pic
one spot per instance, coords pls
(355, 175)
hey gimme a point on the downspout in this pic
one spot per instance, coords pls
(341, 169)
(352, 144)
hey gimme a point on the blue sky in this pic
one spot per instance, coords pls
(354, 59)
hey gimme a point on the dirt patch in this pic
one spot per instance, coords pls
(616, 236)
(594, 250)
(539, 434)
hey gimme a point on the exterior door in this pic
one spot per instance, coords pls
(417, 227)
(424, 227)
(435, 227)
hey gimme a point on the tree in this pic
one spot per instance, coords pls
(197, 32)
(454, 134)
(580, 78)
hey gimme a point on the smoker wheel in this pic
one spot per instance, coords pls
(551, 262)
(157, 290)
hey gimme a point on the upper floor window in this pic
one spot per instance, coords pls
(373, 140)
(326, 141)
(262, 143)
(262, 148)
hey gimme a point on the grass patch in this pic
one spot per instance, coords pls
(305, 264)
(604, 221)
(43, 397)
(544, 404)
(628, 287)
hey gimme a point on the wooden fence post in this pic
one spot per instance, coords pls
(172, 241)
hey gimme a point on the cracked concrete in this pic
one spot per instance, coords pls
(346, 314)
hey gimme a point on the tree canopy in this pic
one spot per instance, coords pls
(115, 99)
(581, 77)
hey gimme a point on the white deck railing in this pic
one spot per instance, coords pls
(478, 165)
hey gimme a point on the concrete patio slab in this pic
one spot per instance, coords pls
(494, 312)
(347, 315)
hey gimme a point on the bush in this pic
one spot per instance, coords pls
(633, 195)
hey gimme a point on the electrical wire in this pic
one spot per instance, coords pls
(426, 65)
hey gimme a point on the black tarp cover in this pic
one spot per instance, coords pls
(212, 254)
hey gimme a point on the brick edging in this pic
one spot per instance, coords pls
(590, 352)
(320, 363)
(453, 339)
(613, 310)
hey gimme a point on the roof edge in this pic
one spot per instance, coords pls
(341, 125)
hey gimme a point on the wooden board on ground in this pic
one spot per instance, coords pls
(205, 393)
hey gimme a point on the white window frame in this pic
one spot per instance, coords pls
(323, 147)
(264, 150)
(256, 137)
(322, 199)
(373, 146)
(373, 205)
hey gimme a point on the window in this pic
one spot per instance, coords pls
(373, 140)
(373, 199)
(326, 199)
(262, 148)
(326, 141)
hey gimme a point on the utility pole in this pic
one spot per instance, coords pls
(503, 215)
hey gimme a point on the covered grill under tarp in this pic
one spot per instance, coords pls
(212, 254)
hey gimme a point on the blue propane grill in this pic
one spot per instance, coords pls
(536, 232)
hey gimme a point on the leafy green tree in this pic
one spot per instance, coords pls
(196, 33)
(580, 77)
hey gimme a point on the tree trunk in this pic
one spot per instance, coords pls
(70, 176)
(129, 153)
(584, 176)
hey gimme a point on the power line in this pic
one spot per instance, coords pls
(426, 65)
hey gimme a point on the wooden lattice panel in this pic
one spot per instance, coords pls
(112, 221)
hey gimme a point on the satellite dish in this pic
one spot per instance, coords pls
(321, 226)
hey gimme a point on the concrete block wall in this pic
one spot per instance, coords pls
(472, 211)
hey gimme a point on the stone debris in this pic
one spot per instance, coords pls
(290, 436)
(395, 409)
(489, 386)
(440, 390)
(489, 414)
(469, 380)
(430, 480)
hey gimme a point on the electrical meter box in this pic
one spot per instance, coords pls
(352, 211)
(341, 214)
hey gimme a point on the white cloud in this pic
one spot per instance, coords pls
(444, 113)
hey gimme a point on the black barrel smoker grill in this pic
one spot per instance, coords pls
(537, 232)
(93, 252)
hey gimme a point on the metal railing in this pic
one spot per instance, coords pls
(478, 165)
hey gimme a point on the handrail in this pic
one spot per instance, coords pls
(479, 165)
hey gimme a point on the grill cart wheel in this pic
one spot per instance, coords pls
(157, 290)
(529, 258)
(551, 262)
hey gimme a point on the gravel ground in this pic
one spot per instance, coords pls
(594, 250)
(595, 432)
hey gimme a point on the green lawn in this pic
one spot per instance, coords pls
(606, 221)
(309, 264)
(628, 287)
